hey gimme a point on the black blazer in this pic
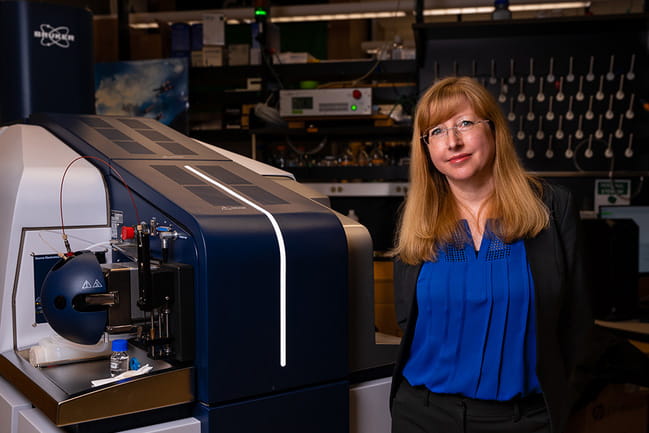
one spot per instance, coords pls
(566, 338)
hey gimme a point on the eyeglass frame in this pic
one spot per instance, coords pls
(424, 138)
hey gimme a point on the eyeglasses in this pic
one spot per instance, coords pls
(436, 134)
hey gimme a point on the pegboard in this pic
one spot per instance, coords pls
(573, 89)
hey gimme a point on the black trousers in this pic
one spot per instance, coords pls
(417, 410)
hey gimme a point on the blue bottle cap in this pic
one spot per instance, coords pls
(120, 345)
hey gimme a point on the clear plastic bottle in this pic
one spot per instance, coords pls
(397, 48)
(501, 10)
(279, 159)
(377, 158)
(346, 159)
(363, 158)
(119, 357)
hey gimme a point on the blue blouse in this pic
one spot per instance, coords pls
(475, 333)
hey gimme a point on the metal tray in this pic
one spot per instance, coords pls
(65, 395)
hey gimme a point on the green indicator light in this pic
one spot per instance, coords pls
(260, 12)
(354, 107)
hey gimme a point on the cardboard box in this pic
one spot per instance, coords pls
(196, 58)
(246, 109)
(213, 55)
(255, 56)
(238, 54)
(290, 57)
(617, 409)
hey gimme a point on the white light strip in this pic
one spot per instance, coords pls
(282, 257)
(339, 17)
(339, 11)
(513, 8)
(458, 11)
(549, 6)
(428, 12)
(144, 26)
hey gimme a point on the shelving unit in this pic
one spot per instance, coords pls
(570, 87)
(565, 84)
(326, 70)
(216, 91)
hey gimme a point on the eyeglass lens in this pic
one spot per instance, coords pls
(437, 133)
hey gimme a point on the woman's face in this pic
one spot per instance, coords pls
(462, 148)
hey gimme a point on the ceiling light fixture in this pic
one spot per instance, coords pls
(339, 17)
(428, 12)
(512, 7)
(377, 9)
(549, 6)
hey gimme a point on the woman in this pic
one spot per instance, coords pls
(489, 281)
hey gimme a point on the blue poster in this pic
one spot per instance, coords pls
(143, 88)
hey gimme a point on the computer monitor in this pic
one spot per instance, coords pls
(639, 214)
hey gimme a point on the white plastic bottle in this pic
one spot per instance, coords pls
(57, 350)
(352, 214)
(119, 358)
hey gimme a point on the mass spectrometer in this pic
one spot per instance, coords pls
(231, 282)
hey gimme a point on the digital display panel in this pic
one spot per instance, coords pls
(302, 103)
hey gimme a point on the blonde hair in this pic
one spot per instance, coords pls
(430, 214)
